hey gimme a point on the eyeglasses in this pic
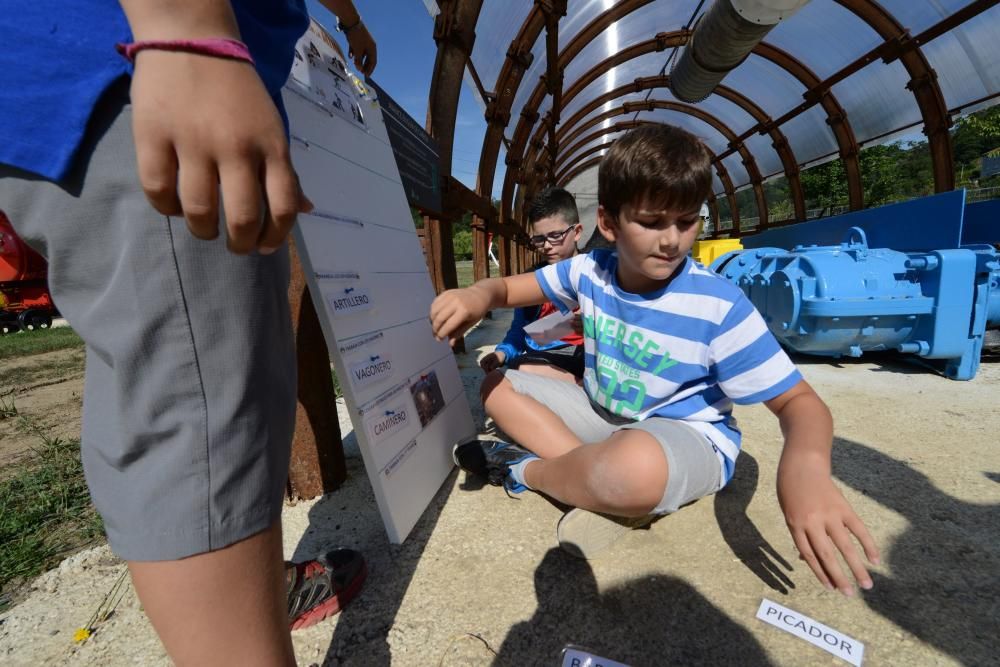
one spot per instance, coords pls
(555, 238)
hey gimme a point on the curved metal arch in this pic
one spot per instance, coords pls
(836, 116)
(780, 143)
(498, 107)
(579, 165)
(923, 83)
(680, 107)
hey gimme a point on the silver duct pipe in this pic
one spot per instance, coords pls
(722, 38)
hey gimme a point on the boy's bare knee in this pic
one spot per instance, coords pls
(631, 474)
(493, 381)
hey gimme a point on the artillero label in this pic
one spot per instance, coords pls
(349, 300)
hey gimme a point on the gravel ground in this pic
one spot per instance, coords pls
(481, 581)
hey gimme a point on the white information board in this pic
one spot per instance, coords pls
(366, 270)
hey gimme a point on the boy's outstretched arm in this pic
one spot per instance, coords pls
(819, 517)
(204, 124)
(454, 311)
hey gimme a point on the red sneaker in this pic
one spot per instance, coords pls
(320, 588)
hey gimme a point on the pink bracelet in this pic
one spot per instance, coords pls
(219, 48)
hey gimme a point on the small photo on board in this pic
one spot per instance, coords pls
(428, 397)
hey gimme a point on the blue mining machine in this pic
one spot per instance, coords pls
(920, 278)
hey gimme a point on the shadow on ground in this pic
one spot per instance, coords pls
(945, 583)
(653, 620)
(361, 636)
(742, 535)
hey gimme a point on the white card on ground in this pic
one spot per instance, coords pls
(576, 657)
(812, 631)
(550, 328)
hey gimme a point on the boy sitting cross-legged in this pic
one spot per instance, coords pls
(669, 348)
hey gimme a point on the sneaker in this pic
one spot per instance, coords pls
(320, 588)
(587, 534)
(491, 460)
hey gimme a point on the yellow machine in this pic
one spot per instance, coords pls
(707, 252)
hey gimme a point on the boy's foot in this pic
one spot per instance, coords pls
(320, 588)
(491, 460)
(587, 534)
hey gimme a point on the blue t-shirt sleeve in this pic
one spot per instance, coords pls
(513, 343)
(560, 282)
(746, 359)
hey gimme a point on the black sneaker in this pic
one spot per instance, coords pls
(491, 460)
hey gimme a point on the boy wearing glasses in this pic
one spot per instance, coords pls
(669, 348)
(555, 229)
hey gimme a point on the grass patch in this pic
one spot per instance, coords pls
(465, 273)
(42, 371)
(45, 513)
(7, 408)
(27, 343)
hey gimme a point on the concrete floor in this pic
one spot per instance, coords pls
(481, 580)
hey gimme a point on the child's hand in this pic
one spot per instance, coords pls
(493, 360)
(454, 311)
(199, 121)
(822, 522)
(363, 49)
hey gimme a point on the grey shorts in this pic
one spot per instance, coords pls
(189, 396)
(694, 468)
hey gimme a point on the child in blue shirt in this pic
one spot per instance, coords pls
(118, 174)
(555, 229)
(669, 348)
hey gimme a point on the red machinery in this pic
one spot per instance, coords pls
(25, 302)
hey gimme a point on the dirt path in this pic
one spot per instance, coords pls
(47, 390)
(916, 454)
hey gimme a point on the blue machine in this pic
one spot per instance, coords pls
(847, 299)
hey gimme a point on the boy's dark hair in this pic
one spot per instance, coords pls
(662, 163)
(553, 201)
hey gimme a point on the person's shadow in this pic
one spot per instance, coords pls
(652, 620)
(945, 582)
(742, 535)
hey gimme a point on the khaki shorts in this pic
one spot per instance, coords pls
(189, 396)
(695, 470)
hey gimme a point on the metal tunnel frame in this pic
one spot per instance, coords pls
(535, 146)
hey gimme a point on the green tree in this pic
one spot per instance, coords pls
(462, 240)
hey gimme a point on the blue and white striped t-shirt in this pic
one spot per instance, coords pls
(687, 351)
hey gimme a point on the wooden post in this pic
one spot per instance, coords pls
(317, 463)
(480, 249)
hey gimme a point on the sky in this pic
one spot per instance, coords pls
(404, 33)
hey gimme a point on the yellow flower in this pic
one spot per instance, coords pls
(81, 635)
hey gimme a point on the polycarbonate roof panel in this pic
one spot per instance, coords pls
(807, 35)
(771, 87)
(704, 131)
(973, 71)
(582, 148)
(642, 25)
(503, 20)
(918, 15)
(824, 36)
(737, 172)
(809, 135)
(728, 113)
(645, 65)
(768, 161)
(616, 37)
(876, 100)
